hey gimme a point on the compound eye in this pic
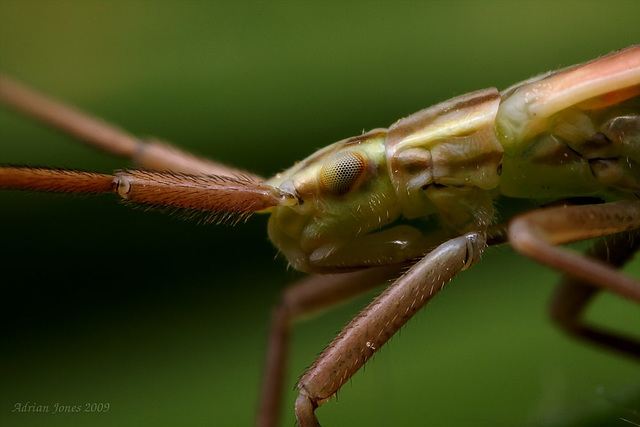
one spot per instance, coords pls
(341, 172)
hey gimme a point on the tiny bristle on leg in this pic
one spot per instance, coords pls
(210, 198)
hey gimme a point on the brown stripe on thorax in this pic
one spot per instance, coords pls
(446, 113)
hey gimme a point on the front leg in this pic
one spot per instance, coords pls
(373, 327)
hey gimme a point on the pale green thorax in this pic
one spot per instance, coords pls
(362, 200)
(388, 196)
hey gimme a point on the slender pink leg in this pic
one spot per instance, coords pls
(535, 233)
(373, 327)
(154, 155)
(573, 296)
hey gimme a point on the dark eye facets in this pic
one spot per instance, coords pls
(341, 172)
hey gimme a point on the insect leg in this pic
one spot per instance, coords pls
(307, 296)
(373, 327)
(536, 233)
(151, 154)
(573, 295)
(55, 180)
(220, 198)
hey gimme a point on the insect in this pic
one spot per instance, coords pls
(413, 203)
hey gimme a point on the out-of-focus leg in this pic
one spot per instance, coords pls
(151, 154)
(574, 295)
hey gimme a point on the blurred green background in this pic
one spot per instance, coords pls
(166, 320)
